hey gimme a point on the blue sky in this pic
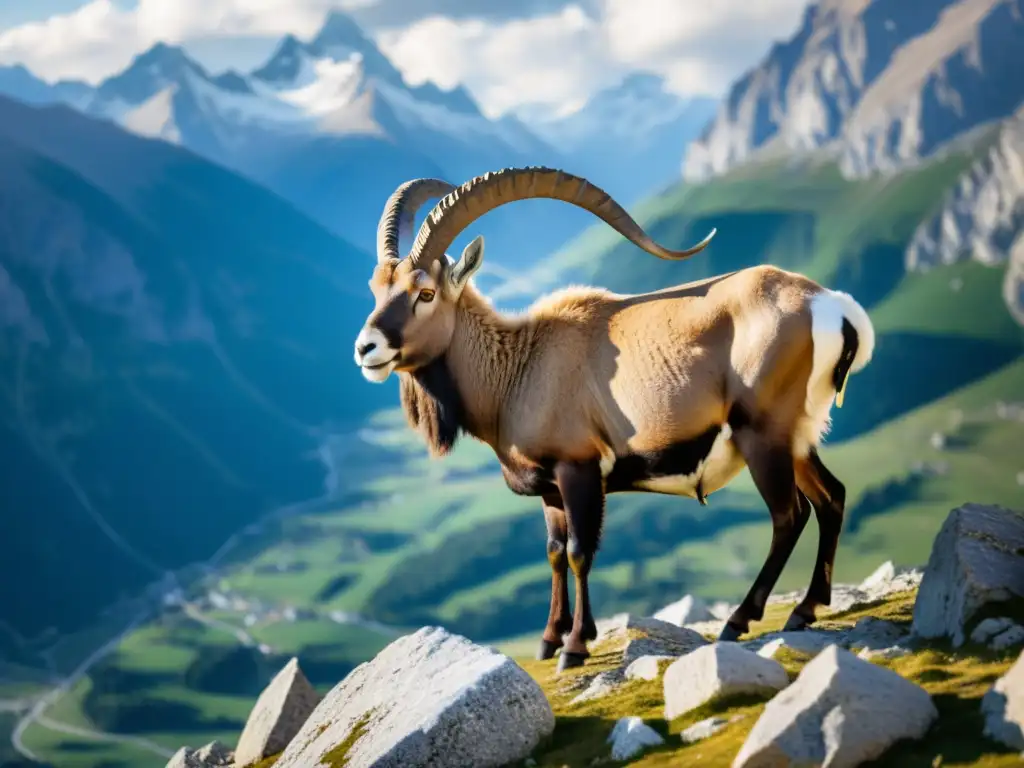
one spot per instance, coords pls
(508, 53)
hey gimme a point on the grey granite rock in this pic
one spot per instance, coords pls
(1003, 707)
(841, 712)
(212, 755)
(646, 667)
(277, 716)
(704, 729)
(989, 628)
(647, 636)
(977, 559)
(717, 670)
(430, 698)
(1008, 638)
(630, 736)
(687, 610)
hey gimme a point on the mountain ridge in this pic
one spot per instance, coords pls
(888, 83)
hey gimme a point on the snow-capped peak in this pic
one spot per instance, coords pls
(150, 73)
(339, 30)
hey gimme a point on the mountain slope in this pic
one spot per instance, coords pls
(173, 359)
(329, 124)
(631, 136)
(18, 83)
(885, 82)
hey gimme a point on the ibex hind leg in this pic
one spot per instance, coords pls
(559, 616)
(580, 485)
(828, 496)
(772, 469)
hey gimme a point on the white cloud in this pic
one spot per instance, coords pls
(100, 38)
(556, 59)
(548, 59)
(699, 46)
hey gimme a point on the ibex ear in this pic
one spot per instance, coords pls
(471, 260)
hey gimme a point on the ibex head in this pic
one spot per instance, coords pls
(415, 297)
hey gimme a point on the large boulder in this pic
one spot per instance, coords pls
(841, 711)
(277, 716)
(430, 698)
(1003, 707)
(715, 671)
(976, 559)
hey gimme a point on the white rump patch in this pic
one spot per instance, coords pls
(828, 310)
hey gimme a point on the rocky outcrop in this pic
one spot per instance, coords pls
(977, 559)
(841, 712)
(716, 671)
(982, 217)
(630, 736)
(885, 82)
(213, 755)
(430, 698)
(279, 713)
(1003, 707)
(887, 579)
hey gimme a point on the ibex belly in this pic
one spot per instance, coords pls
(693, 468)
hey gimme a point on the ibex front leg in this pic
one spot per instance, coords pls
(583, 499)
(559, 615)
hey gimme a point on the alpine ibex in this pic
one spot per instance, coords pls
(589, 392)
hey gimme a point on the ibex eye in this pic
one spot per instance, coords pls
(426, 295)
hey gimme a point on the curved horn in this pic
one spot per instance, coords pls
(463, 206)
(400, 213)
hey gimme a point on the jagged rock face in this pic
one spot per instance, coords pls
(887, 81)
(984, 212)
(982, 218)
(977, 559)
(429, 699)
(841, 712)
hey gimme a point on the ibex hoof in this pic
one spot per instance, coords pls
(547, 650)
(729, 634)
(569, 660)
(796, 622)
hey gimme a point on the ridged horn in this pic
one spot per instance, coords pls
(400, 213)
(462, 206)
